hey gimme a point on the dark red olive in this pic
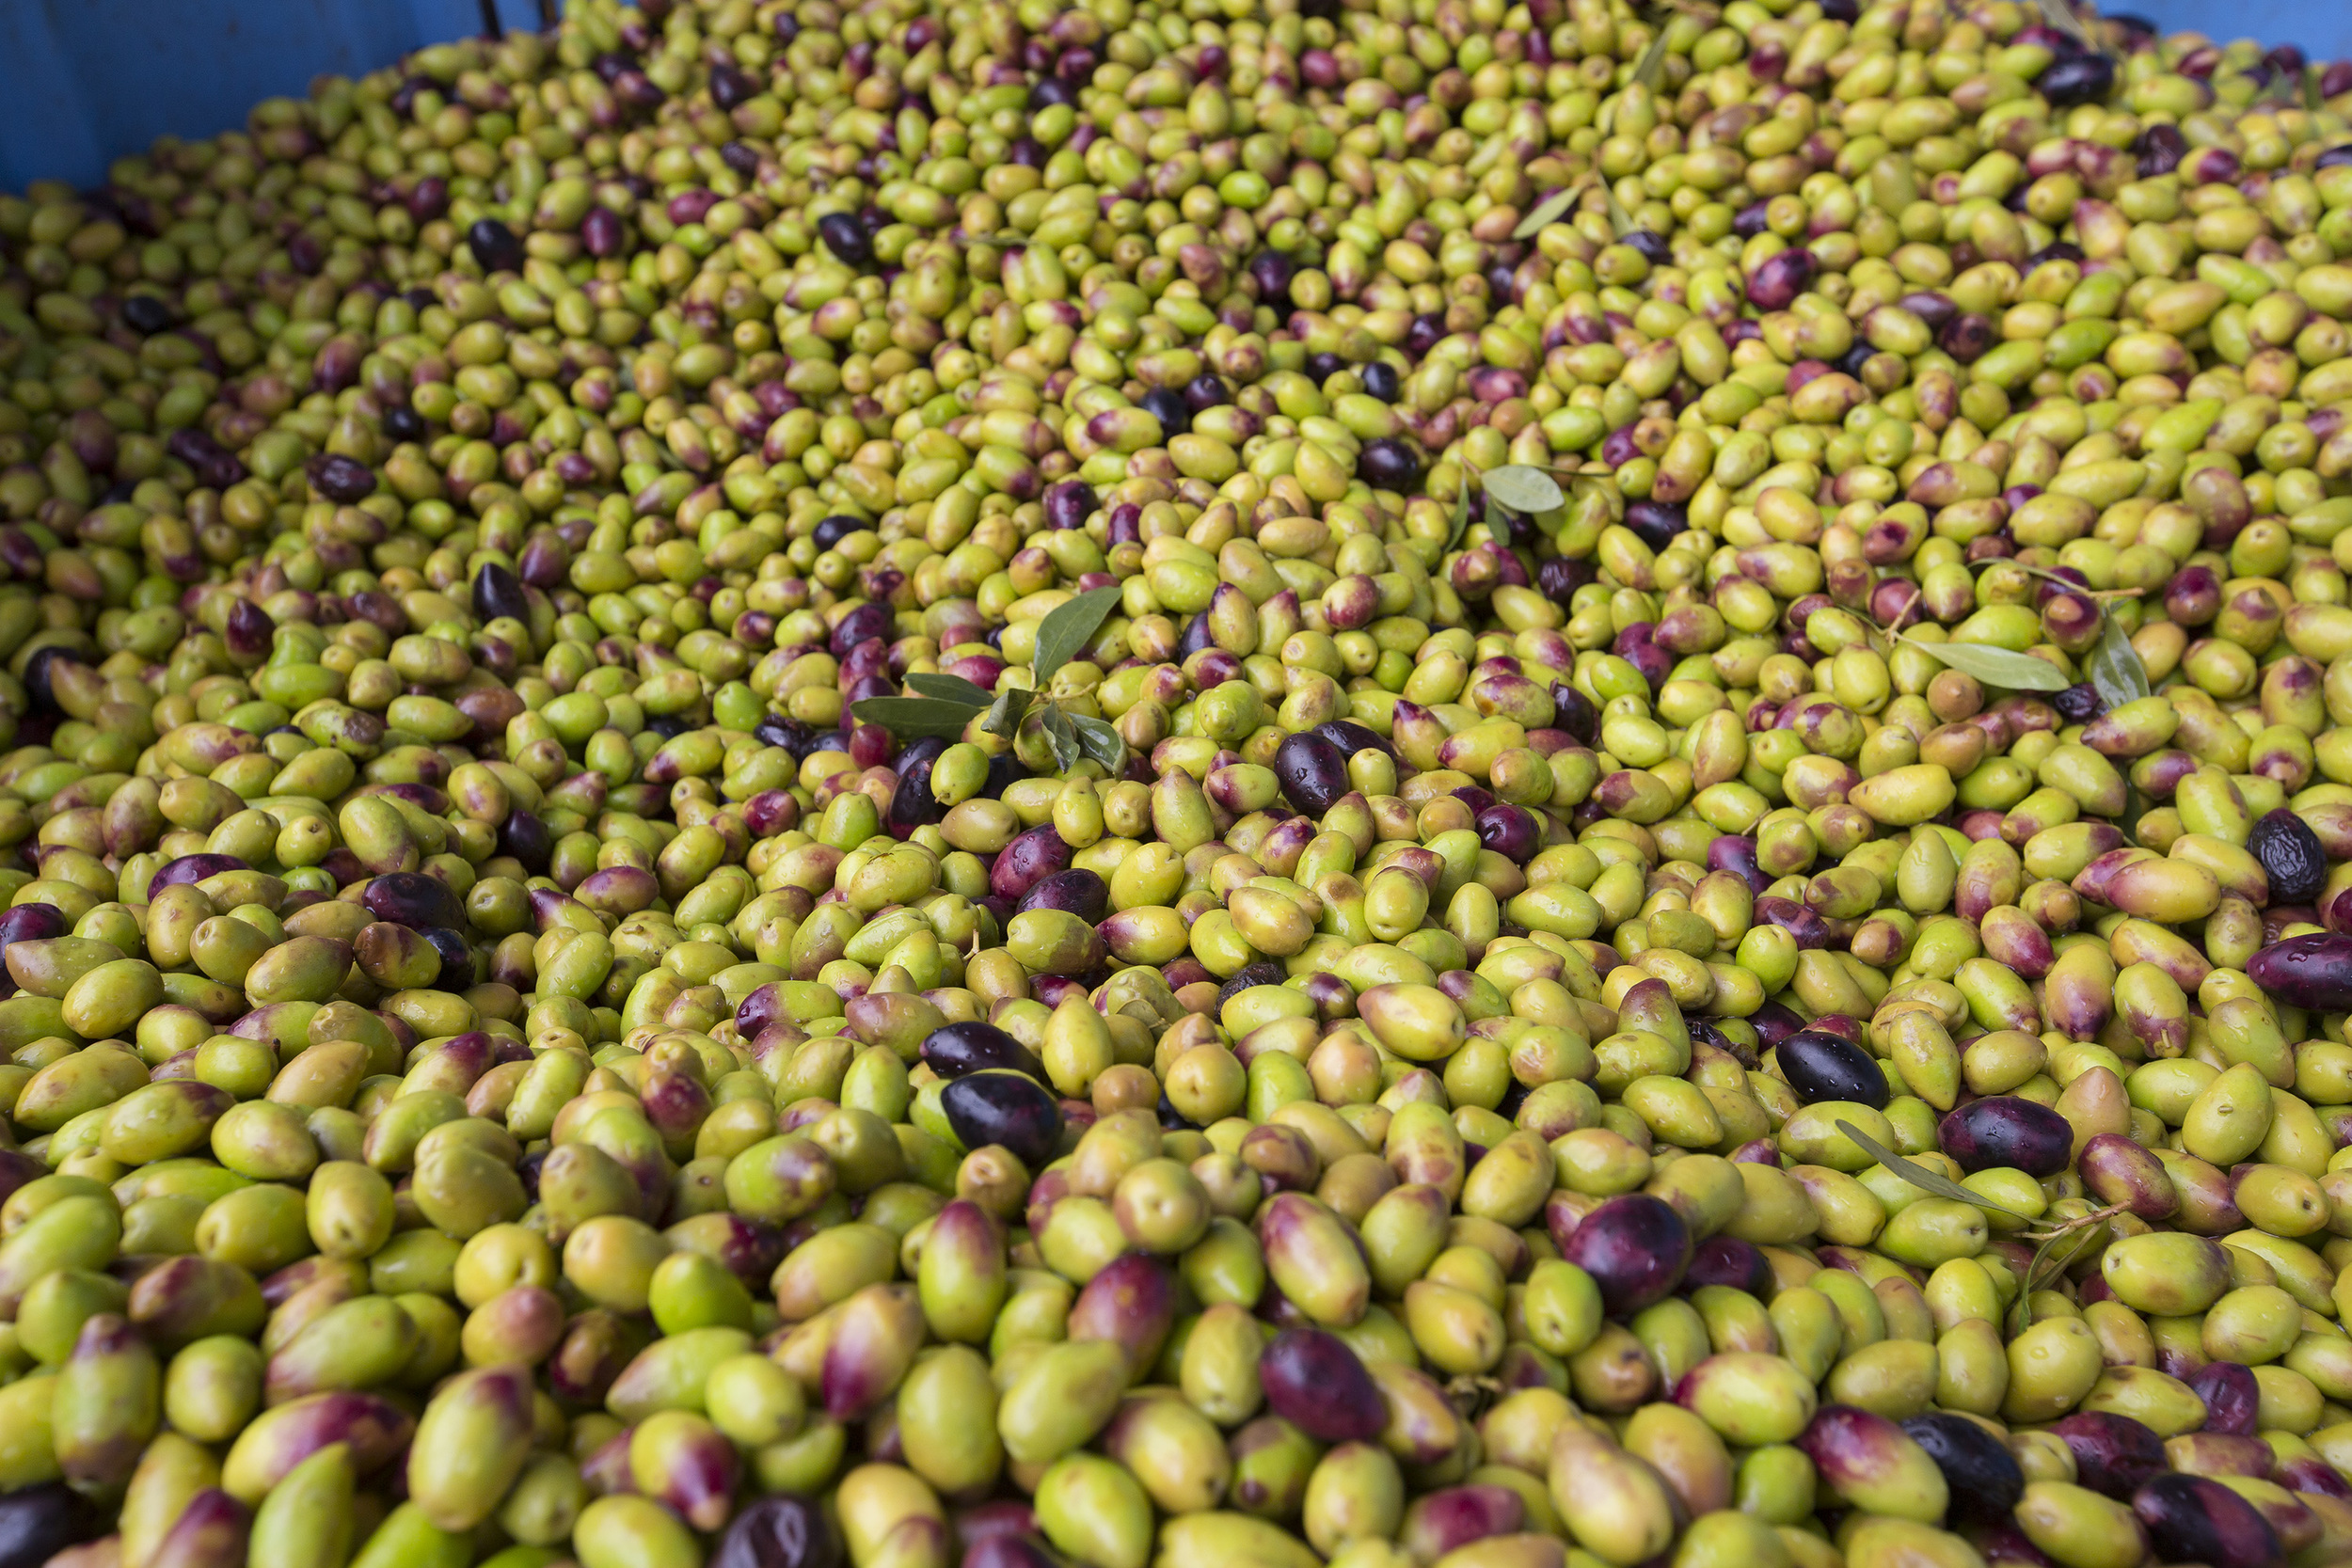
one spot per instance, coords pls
(1635, 1247)
(864, 624)
(2113, 1453)
(912, 804)
(495, 246)
(1805, 926)
(602, 233)
(763, 1006)
(1352, 737)
(1078, 892)
(1069, 504)
(2309, 1473)
(248, 629)
(1452, 1518)
(1778, 280)
(1818, 1065)
(2160, 150)
(1315, 1382)
(2232, 1398)
(1312, 771)
(1029, 859)
(1722, 1259)
(192, 868)
(2313, 972)
(1983, 1475)
(779, 1530)
(2291, 856)
(342, 480)
(2007, 1130)
(413, 899)
(2194, 1519)
(30, 923)
(954, 1049)
(1011, 1109)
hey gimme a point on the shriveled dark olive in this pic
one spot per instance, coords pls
(1818, 1065)
(1011, 1109)
(2291, 856)
(954, 1049)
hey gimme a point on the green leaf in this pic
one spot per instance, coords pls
(1461, 516)
(912, 716)
(2000, 667)
(1062, 737)
(2047, 1265)
(2115, 668)
(1100, 741)
(1620, 221)
(1066, 630)
(948, 689)
(1548, 211)
(1523, 489)
(2060, 15)
(1922, 1177)
(1005, 717)
(1652, 65)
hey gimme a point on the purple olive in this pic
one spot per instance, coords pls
(1352, 737)
(497, 591)
(413, 899)
(524, 836)
(2076, 79)
(1078, 892)
(2007, 1130)
(2232, 1398)
(30, 923)
(1656, 523)
(1778, 280)
(1314, 1381)
(954, 1049)
(602, 233)
(2195, 1519)
(1818, 1066)
(730, 85)
(1069, 504)
(1029, 859)
(192, 868)
(1008, 1108)
(864, 624)
(1510, 832)
(248, 629)
(1722, 1259)
(1312, 771)
(1452, 1518)
(1805, 926)
(2160, 150)
(1005, 1551)
(2291, 856)
(1388, 462)
(1984, 1476)
(2113, 1453)
(1775, 1023)
(495, 246)
(847, 239)
(344, 480)
(1635, 1247)
(1736, 853)
(912, 804)
(779, 1531)
(2313, 972)
(38, 1522)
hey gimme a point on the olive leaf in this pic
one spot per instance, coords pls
(2002, 667)
(1922, 1177)
(2047, 1265)
(1548, 211)
(2114, 666)
(1620, 221)
(2060, 15)
(913, 716)
(1461, 516)
(1523, 489)
(948, 689)
(1100, 741)
(1063, 632)
(1652, 65)
(1062, 737)
(1012, 704)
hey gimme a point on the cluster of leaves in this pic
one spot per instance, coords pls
(2057, 1247)
(944, 706)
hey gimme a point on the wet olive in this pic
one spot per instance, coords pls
(1983, 1475)
(2007, 1130)
(999, 1106)
(1821, 1066)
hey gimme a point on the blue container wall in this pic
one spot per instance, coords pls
(85, 80)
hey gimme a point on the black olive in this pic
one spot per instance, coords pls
(2291, 857)
(1818, 1066)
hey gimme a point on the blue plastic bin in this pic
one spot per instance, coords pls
(85, 80)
